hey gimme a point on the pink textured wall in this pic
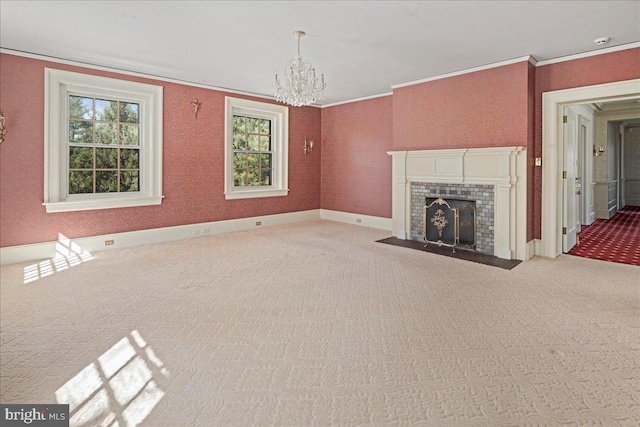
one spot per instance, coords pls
(599, 69)
(356, 169)
(482, 109)
(489, 108)
(193, 164)
(495, 107)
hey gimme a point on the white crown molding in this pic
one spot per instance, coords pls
(588, 54)
(358, 99)
(134, 74)
(528, 58)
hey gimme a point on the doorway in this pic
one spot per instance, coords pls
(553, 151)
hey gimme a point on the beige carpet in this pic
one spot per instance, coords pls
(316, 324)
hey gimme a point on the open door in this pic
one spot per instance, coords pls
(570, 221)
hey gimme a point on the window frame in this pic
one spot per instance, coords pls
(279, 116)
(59, 85)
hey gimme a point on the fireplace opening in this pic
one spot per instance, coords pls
(482, 195)
(450, 222)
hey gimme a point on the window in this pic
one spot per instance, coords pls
(103, 143)
(252, 151)
(256, 148)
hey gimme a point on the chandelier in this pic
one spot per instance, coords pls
(300, 85)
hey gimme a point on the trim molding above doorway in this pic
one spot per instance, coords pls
(553, 147)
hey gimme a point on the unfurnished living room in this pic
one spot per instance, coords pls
(316, 213)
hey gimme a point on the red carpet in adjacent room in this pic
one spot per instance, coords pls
(616, 239)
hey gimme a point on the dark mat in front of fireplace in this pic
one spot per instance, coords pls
(480, 258)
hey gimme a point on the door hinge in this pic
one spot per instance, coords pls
(564, 174)
(564, 230)
(564, 119)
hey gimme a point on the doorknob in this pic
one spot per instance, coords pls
(579, 192)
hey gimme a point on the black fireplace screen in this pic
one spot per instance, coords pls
(450, 223)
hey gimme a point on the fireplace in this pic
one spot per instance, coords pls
(482, 196)
(450, 222)
(495, 178)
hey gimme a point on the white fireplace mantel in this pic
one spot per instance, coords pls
(503, 167)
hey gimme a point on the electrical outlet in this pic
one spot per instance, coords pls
(109, 242)
(358, 221)
(258, 223)
(198, 231)
(205, 231)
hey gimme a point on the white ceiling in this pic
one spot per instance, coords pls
(363, 47)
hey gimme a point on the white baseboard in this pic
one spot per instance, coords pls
(356, 219)
(530, 250)
(47, 250)
(534, 248)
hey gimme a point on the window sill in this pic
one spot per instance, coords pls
(253, 194)
(111, 203)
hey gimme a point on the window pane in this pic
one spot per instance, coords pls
(106, 181)
(239, 124)
(239, 160)
(265, 161)
(129, 158)
(129, 112)
(106, 158)
(80, 108)
(129, 134)
(253, 177)
(106, 110)
(80, 182)
(239, 177)
(253, 143)
(129, 181)
(265, 143)
(253, 161)
(253, 125)
(239, 141)
(106, 133)
(265, 127)
(265, 177)
(80, 158)
(80, 132)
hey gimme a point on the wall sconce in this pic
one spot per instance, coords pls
(196, 104)
(308, 146)
(598, 152)
(3, 130)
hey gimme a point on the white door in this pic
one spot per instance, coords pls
(570, 221)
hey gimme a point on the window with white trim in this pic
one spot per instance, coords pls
(103, 142)
(256, 149)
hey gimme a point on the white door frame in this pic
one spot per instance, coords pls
(553, 148)
(620, 166)
(569, 191)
